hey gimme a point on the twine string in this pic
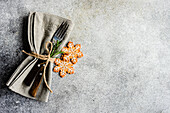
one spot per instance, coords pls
(47, 58)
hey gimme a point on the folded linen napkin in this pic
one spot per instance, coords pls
(41, 28)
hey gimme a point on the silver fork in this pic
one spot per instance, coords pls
(58, 36)
(60, 32)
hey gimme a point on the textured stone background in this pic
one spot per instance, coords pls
(126, 63)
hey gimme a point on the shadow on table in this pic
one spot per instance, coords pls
(7, 69)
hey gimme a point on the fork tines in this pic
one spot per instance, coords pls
(61, 31)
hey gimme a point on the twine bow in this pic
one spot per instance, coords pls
(44, 57)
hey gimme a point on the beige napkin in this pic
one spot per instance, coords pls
(41, 28)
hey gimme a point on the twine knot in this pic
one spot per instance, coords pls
(47, 58)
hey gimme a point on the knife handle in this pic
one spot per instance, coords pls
(30, 77)
(36, 84)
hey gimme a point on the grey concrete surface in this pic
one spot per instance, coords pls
(126, 63)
